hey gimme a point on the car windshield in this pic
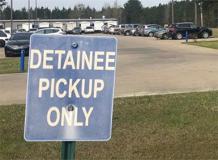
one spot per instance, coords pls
(136, 25)
(32, 29)
(21, 36)
(7, 31)
(172, 26)
(77, 28)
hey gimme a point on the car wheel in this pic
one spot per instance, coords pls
(2, 43)
(151, 34)
(205, 35)
(165, 36)
(179, 36)
(127, 34)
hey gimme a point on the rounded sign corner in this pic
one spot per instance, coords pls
(108, 138)
(26, 138)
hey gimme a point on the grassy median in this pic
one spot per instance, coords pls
(215, 32)
(11, 65)
(180, 126)
(208, 44)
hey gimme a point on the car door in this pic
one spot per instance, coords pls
(194, 30)
(156, 28)
(159, 28)
(183, 28)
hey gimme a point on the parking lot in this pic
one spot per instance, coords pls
(145, 66)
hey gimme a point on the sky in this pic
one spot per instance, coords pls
(98, 4)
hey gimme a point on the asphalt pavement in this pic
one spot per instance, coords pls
(145, 66)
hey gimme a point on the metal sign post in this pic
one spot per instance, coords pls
(68, 150)
(22, 60)
(186, 36)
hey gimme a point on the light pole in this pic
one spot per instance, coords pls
(202, 16)
(196, 12)
(36, 8)
(173, 12)
(11, 16)
(29, 14)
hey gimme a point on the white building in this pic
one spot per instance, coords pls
(44, 24)
(58, 25)
(70, 26)
(98, 25)
(65, 24)
(111, 23)
(84, 24)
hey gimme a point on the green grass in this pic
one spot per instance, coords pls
(208, 44)
(169, 127)
(11, 65)
(215, 32)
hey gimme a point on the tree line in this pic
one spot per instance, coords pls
(131, 12)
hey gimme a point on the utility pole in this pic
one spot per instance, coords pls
(173, 20)
(11, 16)
(36, 9)
(202, 16)
(29, 13)
(196, 12)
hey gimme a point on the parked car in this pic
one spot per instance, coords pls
(150, 30)
(163, 34)
(178, 31)
(89, 29)
(76, 30)
(138, 30)
(135, 31)
(49, 31)
(7, 30)
(4, 37)
(130, 29)
(114, 29)
(105, 29)
(122, 27)
(33, 30)
(20, 30)
(17, 42)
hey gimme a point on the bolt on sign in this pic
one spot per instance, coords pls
(70, 88)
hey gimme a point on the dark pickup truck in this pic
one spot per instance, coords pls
(179, 30)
